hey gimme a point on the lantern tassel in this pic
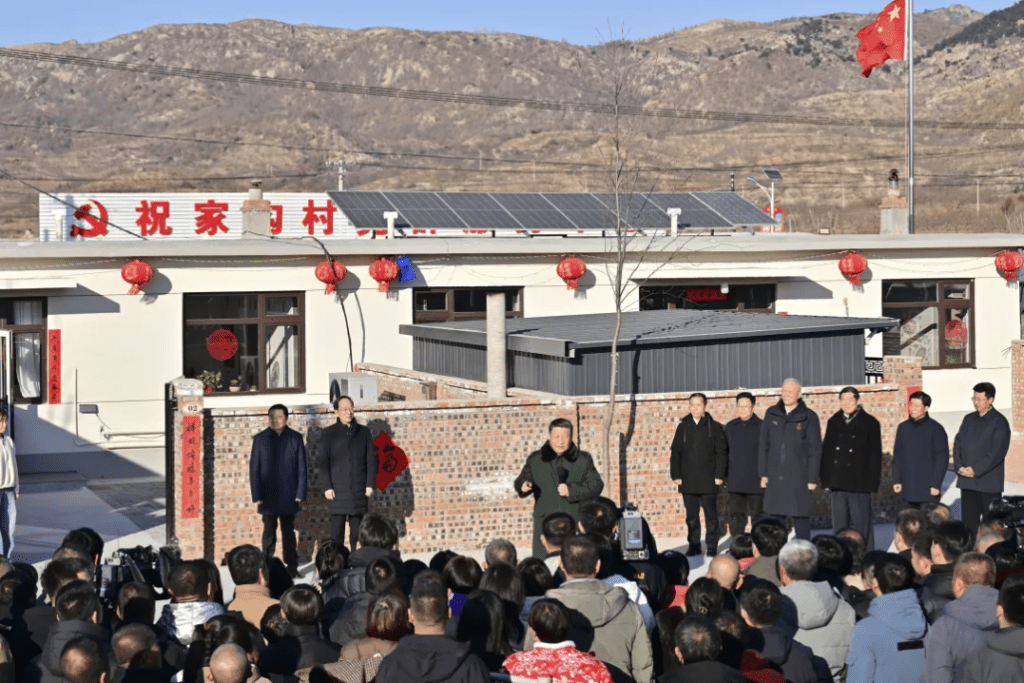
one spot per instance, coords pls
(384, 286)
(855, 279)
(134, 289)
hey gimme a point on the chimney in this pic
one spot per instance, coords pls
(674, 217)
(256, 212)
(895, 212)
(391, 217)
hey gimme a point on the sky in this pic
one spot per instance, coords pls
(578, 21)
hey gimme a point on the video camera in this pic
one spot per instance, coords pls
(142, 564)
(631, 534)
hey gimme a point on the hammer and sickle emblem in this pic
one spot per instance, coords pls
(98, 225)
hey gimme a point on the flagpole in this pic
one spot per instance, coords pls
(909, 49)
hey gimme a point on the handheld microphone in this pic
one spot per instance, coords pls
(563, 475)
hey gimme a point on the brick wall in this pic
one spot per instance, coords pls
(1017, 385)
(457, 492)
(422, 386)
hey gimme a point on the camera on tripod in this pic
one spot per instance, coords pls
(1009, 510)
(141, 564)
(631, 534)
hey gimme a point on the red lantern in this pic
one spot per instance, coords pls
(956, 334)
(1009, 262)
(138, 274)
(325, 275)
(384, 271)
(571, 269)
(222, 344)
(852, 265)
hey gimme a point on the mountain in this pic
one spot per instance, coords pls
(178, 133)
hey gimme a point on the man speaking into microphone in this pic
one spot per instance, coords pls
(559, 476)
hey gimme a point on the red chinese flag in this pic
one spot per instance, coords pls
(883, 39)
(391, 460)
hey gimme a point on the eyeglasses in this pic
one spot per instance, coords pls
(975, 399)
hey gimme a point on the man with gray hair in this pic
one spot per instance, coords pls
(822, 620)
(229, 664)
(500, 550)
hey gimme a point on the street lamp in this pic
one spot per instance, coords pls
(772, 174)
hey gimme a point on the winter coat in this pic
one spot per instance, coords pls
(982, 443)
(1001, 660)
(699, 455)
(704, 672)
(742, 437)
(887, 646)
(342, 585)
(46, 667)
(795, 659)
(301, 647)
(606, 623)
(179, 619)
(364, 648)
(965, 626)
(350, 625)
(278, 479)
(790, 457)
(764, 567)
(547, 470)
(920, 458)
(851, 454)
(556, 661)
(347, 462)
(432, 659)
(937, 591)
(252, 600)
(820, 619)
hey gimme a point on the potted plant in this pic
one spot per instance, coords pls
(235, 386)
(211, 381)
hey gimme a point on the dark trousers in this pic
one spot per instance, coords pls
(693, 503)
(800, 525)
(853, 510)
(974, 508)
(338, 529)
(739, 505)
(288, 542)
(916, 505)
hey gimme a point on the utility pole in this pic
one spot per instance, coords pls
(340, 165)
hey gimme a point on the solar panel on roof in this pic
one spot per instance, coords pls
(636, 210)
(522, 201)
(542, 220)
(371, 218)
(361, 200)
(472, 201)
(433, 218)
(734, 208)
(573, 201)
(415, 200)
(488, 219)
(692, 212)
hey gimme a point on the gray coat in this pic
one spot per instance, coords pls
(1000, 661)
(790, 456)
(965, 626)
(820, 619)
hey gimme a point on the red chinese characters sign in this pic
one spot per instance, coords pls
(191, 461)
(53, 361)
(153, 217)
(391, 460)
(210, 217)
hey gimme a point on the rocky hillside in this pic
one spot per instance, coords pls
(182, 133)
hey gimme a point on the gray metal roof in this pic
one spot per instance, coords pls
(561, 335)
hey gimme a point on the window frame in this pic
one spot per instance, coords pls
(262, 321)
(942, 304)
(449, 314)
(7, 309)
(666, 289)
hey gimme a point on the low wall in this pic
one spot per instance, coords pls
(465, 454)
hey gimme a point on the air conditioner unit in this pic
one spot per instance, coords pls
(362, 389)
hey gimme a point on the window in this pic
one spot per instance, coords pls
(26, 318)
(936, 321)
(267, 330)
(709, 297)
(461, 303)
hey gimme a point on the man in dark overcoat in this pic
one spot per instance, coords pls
(559, 476)
(697, 464)
(745, 493)
(851, 464)
(277, 478)
(920, 456)
(347, 463)
(789, 458)
(979, 456)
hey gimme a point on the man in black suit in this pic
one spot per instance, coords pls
(347, 462)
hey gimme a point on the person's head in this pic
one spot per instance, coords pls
(833, 557)
(984, 395)
(3, 420)
(791, 390)
(277, 417)
(84, 660)
(549, 621)
(344, 409)
(697, 640)
(1010, 609)
(580, 558)
(921, 552)
(919, 404)
(17, 590)
(500, 550)
(892, 573)
(377, 531)
(428, 603)
(136, 603)
(937, 513)
(909, 524)
(229, 663)
(848, 399)
(387, 616)
(745, 405)
(247, 566)
(761, 604)
(537, 578)
(135, 647)
(330, 559)
(855, 534)
(987, 541)
(383, 575)
(440, 559)
(742, 546)
(798, 561)
(856, 550)
(973, 569)
(698, 405)
(272, 624)
(555, 528)
(769, 535)
(560, 435)
(462, 574)
(731, 624)
(676, 567)
(77, 601)
(951, 540)
(725, 569)
(61, 572)
(188, 581)
(506, 582)
(5, 564)
(705, 597)
(483, 625)
(599, 516)
(85, 540)
(301, 605)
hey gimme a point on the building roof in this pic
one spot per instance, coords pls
(562, 335)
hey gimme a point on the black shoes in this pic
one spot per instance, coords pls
(694, 551)
(294, 572)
